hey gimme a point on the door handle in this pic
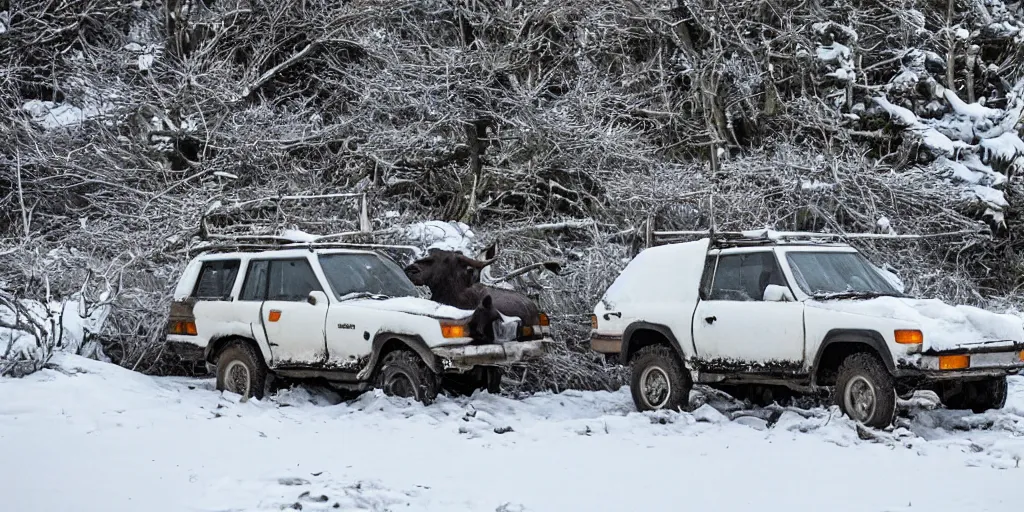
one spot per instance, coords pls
(710, 319)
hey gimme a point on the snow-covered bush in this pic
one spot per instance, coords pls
(31, 331)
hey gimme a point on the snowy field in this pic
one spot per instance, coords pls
(90, 436)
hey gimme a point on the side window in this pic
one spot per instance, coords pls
(216, 278)
(291, 280)
(743, 277)
(255, 286)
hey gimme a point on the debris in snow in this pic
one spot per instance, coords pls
(816, 185)
(223, 174)
(709, 414)
(55, 115)
(832, 52)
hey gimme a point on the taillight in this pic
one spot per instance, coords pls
(181, 327)
(593, 322)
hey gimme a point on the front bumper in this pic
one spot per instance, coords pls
(465, 357)
(981, 363)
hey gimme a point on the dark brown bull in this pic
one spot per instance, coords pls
(453, 279)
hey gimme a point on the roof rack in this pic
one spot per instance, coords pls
(385, 250)
(771, 237)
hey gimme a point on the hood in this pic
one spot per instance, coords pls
(414, 306)
(945, 327)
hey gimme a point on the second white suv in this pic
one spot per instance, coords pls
(757, 311)
(351, 317)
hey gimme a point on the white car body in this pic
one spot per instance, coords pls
(783, 337)
(324, 335)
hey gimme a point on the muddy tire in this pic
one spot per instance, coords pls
(403, 373)
(241, 370)
(978, 395)
(865, 391)
(658, 380)
(481, 377)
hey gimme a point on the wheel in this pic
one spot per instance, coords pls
(403, 373)
(865, 391)
(976, 395)
(241, 370)
(658, 380)
(480, 377)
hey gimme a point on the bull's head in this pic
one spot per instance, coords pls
(445, 268)
(481, 324)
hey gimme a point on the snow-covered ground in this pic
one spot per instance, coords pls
(90, 436)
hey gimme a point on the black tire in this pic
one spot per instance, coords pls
(403, 373)
(650, 368)
(977, 395)
(480, 377)
(241, 370)
(864, 375)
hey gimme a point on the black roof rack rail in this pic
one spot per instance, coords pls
(311, 246)
(770, 237)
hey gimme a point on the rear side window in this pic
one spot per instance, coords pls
(744, 277)
(216, 278)
(288, 280)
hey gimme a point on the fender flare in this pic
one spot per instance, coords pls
(867, 337)
(216, 344)
(413, 341)
(627, 338)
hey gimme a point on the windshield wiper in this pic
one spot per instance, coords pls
(363, 295)
(853, 295)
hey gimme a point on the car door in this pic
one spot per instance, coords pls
(294, 328)
(733, 326)
(350, 327)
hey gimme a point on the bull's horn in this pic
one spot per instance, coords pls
(477, 264)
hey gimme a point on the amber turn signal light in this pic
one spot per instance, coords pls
(544, 320)
(1022, 355)
(957, 362)
(909, 337)
(454, 331)
(593, 321)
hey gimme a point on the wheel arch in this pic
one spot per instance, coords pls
(642, 334)
(840, 344)
(386, 342)
(215, 346)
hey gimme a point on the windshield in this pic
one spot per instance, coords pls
(365, 274)
(824, 274)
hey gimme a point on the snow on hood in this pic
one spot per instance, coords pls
(944, 326)
(415, 306)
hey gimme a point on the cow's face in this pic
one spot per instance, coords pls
(441, 268)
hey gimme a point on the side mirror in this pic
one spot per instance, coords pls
(776, 293)
(317, 298)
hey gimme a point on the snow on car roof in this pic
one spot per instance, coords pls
(662, 274)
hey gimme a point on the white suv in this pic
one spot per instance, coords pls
(750, 313)
(349, 316)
